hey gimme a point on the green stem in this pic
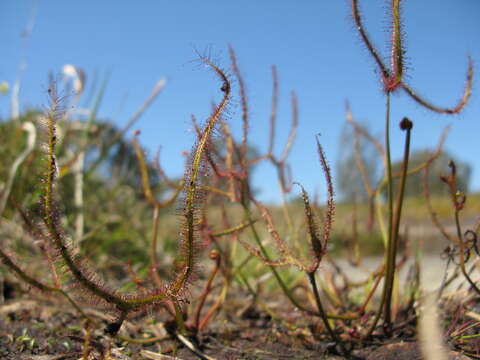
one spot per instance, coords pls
(396, 225)
(179, 318)
(323, 315)
(388, 260)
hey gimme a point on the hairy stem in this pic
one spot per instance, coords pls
(192, 185)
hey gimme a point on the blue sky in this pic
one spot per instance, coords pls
(313, 44)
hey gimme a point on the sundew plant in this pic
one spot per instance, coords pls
(255, 250)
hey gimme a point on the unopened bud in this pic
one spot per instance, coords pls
(406, 124)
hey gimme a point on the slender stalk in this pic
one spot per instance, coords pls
(362, 308)
(388, 260)
(323, 315)
(389, 281)
(179, 319)
(389, 182)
